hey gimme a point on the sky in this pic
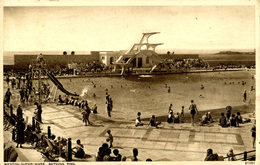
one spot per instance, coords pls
(118, 28)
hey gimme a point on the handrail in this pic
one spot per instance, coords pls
(243, 153)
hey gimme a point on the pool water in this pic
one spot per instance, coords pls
(136, 96)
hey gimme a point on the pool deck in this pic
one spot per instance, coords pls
(170, 142)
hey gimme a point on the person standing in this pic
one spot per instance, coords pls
(19, 112)
(86, 114)
(245, 96)
(7, 80)
(228, 108)
(110, 138)
(193, 110)
(109, 109)
(13, 83)
(22, 95)
(253, 130)
(170, 108)
(20, 127)
(39, 112)
(8, 96)
(182, 114)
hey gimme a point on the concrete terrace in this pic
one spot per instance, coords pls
(170, 142)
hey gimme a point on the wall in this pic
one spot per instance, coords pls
(22, 62)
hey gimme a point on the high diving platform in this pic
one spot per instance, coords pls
(142, 48)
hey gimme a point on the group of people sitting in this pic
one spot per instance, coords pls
(152, 121)
(231, 119)
(76, 102)
(104, 153)
(206, 119)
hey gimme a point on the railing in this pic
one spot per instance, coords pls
(245, 156)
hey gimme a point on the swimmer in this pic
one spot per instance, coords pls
(111, 86)
(94, 95)
(94, 86)
(201, 87)
(252, 88)
(106, 89)
(201, 96)
(121, 86)
(149, 87)
(100, 86)
(225, 82)
(169, 89)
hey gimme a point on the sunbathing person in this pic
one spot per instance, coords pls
(138, 120)
(153, 122)
(78, 150)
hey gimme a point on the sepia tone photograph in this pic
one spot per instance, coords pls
(123, 83)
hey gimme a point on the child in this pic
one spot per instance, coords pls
(138, 120)
(182, 114)
(110, 138)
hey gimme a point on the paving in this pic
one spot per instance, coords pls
(169, 142)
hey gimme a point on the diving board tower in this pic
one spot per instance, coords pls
(137, 49)
(36, 68)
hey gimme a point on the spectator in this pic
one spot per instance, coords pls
(19, 111)
(223, 120)
(204, 119)
(193, 109)
(7, 80)
(182, 111)
(118, 156)
(110, 138)
(94, 109)
(107, 156)
(253, 130)
(39, 112)
(85, 115)
(13, 83)
(135, 154)
(239, 118)
(228, 108)
(79, 150)
(20, 127)
(138, 120)
(233, 121)
(170, 117)
(231, 156)
(176, 118)
(210, 119)
(99, 155)
(8, 96)
(60, 100)
(10, 155)
(153, 122)
(210, 156)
